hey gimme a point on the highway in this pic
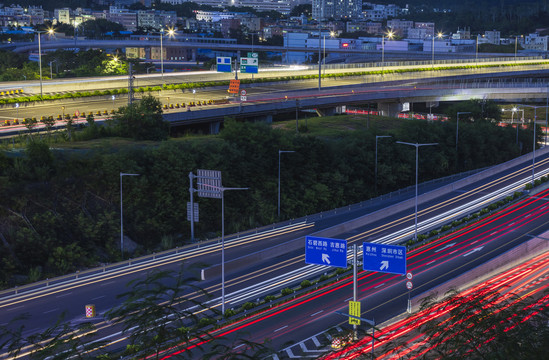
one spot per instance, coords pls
(384, 296)
(258, 92)
(269, 276)
(404, 338)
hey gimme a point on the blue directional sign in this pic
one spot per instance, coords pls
(384, 258)
(224, 64)
(325, 251)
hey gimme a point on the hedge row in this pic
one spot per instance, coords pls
(79, 94)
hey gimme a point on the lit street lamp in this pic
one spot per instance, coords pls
(417, 155)
(280, 152)
(534, 141)
(390, 35)
(122, 213)
(377, 137)
(513, 111)
(439, 35)
(49, 32)
(171, 33)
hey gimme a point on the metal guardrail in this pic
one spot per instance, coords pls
(141, 260)
(165, 254)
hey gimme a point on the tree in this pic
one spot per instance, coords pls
(30, 123)
(486, 325)
(480, 110)
(158, 309)
(98, 27)
(48, 122)
(306, 9)
(143, 120)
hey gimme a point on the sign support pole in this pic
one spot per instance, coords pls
(191, 190)
(354, 285)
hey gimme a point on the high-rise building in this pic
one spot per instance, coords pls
(337, 9)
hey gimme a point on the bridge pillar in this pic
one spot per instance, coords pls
(389, 109)
(214, 127)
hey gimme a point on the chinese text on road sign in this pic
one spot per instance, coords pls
(384, 258)
(326, 251)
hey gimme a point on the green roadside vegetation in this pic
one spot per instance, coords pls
(60, 196)
(204, 84)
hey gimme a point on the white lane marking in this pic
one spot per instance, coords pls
(236, 347)
(430, 262)
(50, 311)
(446, 247)
(291, 354)
(351, 298)
(474, 251)
(284, 327)
(375, 287)
(107, 283)
(315, 341)
(62, 295)
(316, 313)
(15, 308)
(99, 297)
(452, 252)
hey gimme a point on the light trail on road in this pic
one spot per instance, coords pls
(528, 279)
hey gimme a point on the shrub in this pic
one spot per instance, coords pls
(229, 313)
(248, 305)
(205, 322)
(446, 228)
(528, 186)
(269, 298)
(305, 283)
(433, 233)
(286, 291)
(323, 277)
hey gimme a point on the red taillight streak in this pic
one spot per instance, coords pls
(487, 238)
(310, 299)
(438, 314)
(450, 237)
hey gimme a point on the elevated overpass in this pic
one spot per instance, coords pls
(388, 100)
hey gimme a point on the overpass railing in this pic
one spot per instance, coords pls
(425, 62)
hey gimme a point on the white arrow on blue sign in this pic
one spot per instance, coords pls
(384, 258)
(325, 251)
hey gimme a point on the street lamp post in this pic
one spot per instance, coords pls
(534, 141)
(516, 39)
(161, 56)
(319, 48)
(513, 111)
(375, 180)
(50, 32)
(439, 35)
(171, 32)
(122, 213)
(390, 36)
(280, 152)
(417, 155)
